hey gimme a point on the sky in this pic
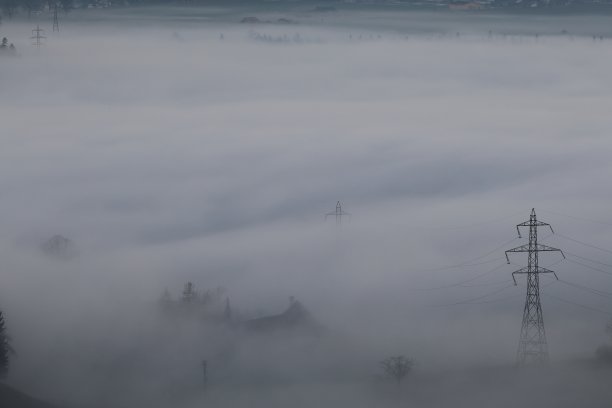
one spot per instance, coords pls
(208, 150)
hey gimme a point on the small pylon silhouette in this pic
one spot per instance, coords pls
(55, 20)
(338, 214)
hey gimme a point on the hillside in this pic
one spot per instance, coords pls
(11, 398)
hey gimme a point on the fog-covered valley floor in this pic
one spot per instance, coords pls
(176, 145)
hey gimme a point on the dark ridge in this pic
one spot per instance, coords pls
(11, 398)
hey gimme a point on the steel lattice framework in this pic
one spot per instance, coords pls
(338, 214)
(55, 20)
(532, 344)
(37, 35)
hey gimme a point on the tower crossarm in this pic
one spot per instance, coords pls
(532, 223)
(338, 213)
(533, 248)
(538, 269)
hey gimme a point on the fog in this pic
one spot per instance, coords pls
(175, 145)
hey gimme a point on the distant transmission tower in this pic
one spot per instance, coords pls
(55, 20)
(532, 344)
(37, 36)
(338, 213)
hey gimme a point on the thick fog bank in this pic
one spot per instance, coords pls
(210, 151)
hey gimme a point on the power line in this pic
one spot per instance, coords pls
(480, 275)
(578, 304)
(459, 284)
(478, 224)
(578, 218)
(589, 260)
(584, 243)
(472, 301)
(468, 301)
(597, 292)
(589, 267)
(459, 265)
(485, 284)
(470, 262)
(514, 296)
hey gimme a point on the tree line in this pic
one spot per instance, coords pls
(12, 7)
(5, 348)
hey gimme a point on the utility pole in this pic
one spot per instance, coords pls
(55, 20)
(532, 344)
(227, 313)
(205, 373)
(338, 213)
(37, 35)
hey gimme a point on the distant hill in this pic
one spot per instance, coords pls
(11, 398)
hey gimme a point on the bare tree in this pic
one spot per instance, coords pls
(396, 368)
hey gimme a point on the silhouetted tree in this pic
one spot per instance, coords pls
(5, 48)
(9, 7)
(5, 348)
(396, 368)
(604, 352)
(67, 5)
(190, 295)
(59, 247)
(31, 5)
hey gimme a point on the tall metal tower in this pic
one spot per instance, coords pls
(532, 344)
(338, 213)
(37, 36)
(55, 20)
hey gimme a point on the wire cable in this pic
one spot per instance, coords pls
(597, 292)
(515, 296)
(461, 265)
(473, 302)
(577, 304)
(468, 301)
(583, 243)
(576, 217)
(470, 262)
(478, 224)
(588, 259)
(486, 284)
(589, 267)
(461, 283)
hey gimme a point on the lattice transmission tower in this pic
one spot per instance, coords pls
(533, 347)
(55, 19)
(338, 214)
(37, 36)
